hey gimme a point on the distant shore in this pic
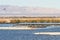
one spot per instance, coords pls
(29, 19)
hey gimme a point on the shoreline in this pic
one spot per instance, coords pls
(16, 28)
(47, 33)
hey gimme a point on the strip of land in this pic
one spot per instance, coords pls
(16, 28)
(29, 19)
(48, 33)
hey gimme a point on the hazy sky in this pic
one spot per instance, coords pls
(33, 3)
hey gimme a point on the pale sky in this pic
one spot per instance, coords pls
(33, 3)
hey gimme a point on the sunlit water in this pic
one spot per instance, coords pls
(28, 34)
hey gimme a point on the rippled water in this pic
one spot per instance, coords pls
(24, 35)
(28, 34)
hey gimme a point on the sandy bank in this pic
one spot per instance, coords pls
(48, 33)
(16, 28)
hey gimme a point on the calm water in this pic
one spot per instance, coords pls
(28, 34)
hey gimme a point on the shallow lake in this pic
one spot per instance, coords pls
(27, 34)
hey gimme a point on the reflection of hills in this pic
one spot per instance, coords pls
(27, 11)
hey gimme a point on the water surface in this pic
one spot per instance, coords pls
(28, 34)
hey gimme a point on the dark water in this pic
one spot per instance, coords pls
(28, 34)
(6, 25)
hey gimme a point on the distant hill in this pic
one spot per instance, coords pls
(7, 10)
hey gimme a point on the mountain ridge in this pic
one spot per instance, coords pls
(28, 11)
